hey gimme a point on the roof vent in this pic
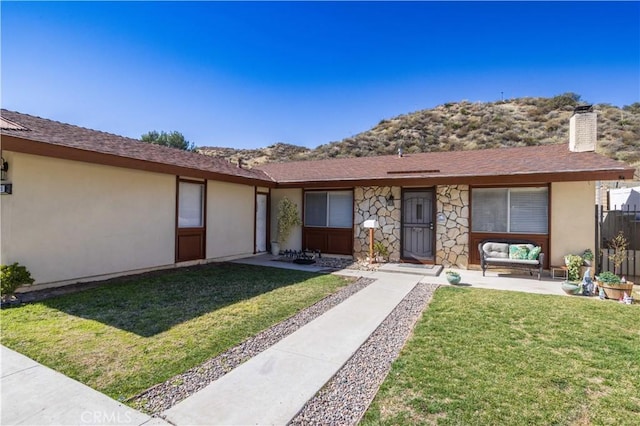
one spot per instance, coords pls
(583, 130)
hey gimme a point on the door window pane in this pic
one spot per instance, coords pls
(190, 205)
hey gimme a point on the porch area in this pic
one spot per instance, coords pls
(495, 279)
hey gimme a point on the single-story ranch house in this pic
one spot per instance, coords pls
(86, 205)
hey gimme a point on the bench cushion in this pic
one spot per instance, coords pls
(495, 250)
(506, 261)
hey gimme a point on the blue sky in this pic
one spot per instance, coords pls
(246, 74)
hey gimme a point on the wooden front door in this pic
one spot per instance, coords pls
(418, 226)
(191, 222)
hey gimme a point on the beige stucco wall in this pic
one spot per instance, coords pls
(230, 219)
(573, 220)
(295, 238)
(67, 220)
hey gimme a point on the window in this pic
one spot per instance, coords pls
(190, 205)
(510, 210)
(332, 209)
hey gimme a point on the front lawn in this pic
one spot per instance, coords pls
(128, 335)
(481, 357)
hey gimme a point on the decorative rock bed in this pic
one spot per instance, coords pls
(346, 397)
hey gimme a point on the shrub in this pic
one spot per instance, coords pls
(13, 276)
(608, 278)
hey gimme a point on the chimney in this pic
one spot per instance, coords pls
(583, 129)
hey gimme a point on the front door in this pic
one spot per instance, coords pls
(417, 225)
(261, 223)
(191, 223)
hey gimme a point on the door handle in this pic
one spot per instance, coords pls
(431, 226)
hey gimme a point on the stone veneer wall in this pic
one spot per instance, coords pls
(370, 202)
(452, 226)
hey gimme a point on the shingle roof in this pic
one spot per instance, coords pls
(534, 160)
(544, 163)
(70, 136)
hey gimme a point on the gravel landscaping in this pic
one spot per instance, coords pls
(346, 397)
(165, 395)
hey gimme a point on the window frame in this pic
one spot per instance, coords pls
(328, 211)
(508, 231)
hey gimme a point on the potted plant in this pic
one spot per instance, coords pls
(615, 287)
(574, 266)
(11, 277)
(453, 277)
(587, 256)
(287, 218)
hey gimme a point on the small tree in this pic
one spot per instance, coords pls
(11, 277)
(287, 218)
(619, 245)
(172, 139)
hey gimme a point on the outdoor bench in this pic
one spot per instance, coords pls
(519, 254)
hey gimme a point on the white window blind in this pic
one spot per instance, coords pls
(340, 209)
(510, 210)
(489, 209)
(529, 207)
(328, 209)
(315, 209)
(190, 205)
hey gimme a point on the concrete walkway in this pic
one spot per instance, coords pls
(272, 387)
(268, 389)
(33, 394)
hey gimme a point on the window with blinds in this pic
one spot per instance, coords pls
(331, 209)
(510, 210)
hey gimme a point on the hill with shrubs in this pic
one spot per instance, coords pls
(468, 125)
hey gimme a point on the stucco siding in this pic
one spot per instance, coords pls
(68, 220)
(573, 220)
(230, 219)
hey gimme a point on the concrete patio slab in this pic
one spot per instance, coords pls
(33, 394)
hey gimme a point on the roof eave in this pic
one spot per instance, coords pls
(621, 173)
(28, 146)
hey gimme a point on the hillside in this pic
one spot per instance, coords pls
(465, 125)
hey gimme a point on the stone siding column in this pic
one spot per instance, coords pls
(452, 226)
(370, 202)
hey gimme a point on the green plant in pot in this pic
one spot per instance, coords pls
(288, 218)
(453, 277)
(11, 278)
(574, 264)
(574, 267)
(615, 287)
(588, 257)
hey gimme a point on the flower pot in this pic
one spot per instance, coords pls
(275, 248)
(616, 291)
(571, 287)
(454, 279)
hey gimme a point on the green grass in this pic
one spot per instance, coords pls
(480, 357)
(128, 335)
